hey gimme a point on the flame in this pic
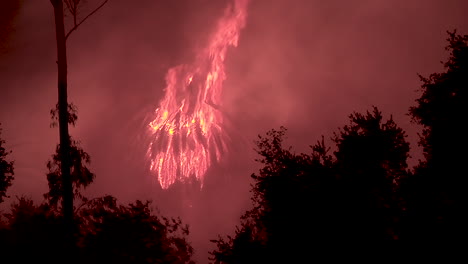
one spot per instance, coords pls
(187, 128)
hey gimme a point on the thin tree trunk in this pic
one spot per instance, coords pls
(67, 205)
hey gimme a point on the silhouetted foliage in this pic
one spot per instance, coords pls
(81, 176)
(301, 200)
(370, 160)
(441, 108)
(72, 115)
(105, 233)
(278, 194)
(131, 234)
(33, 233)
(436, 199)
(247, 246)
(6, 169)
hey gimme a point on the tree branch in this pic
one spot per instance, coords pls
(86, 203)
(84, 19)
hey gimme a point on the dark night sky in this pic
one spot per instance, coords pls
(304, 64)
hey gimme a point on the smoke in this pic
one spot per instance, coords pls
(308, 64)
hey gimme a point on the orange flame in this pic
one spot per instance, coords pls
(187, 128)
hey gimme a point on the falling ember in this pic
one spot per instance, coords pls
(187, 129)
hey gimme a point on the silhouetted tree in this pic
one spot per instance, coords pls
(309, 199)
(436, 199)
(441, 108)
(247, 246)
(106, 232)
(6, 169)
(61, 38)
(80, 174)
(293, 201)
(131, 234)
(33, 233)
(371, 158)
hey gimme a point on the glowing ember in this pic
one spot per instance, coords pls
(187, 129)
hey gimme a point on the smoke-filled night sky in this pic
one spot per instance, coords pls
(303, 64)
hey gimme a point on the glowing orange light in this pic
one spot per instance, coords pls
(187, 128)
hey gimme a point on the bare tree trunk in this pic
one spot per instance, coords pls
(67, 205)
